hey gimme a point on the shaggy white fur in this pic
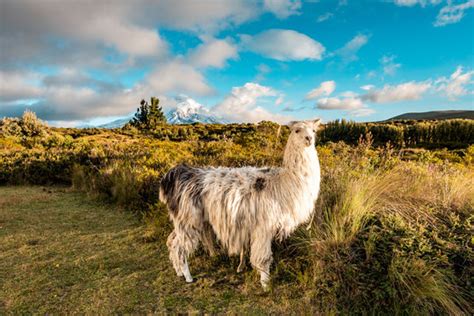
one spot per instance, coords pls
(244, 207)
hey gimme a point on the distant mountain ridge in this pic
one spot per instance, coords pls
(188, 111)
(117, 123)
(435, 115)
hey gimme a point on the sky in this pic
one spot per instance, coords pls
(90, 62)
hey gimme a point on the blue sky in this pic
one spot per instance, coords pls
(76, 62)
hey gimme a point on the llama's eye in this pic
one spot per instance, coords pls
(297, 131)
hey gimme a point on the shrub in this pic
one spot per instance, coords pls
(27, 126)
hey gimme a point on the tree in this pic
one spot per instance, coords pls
(148, 116)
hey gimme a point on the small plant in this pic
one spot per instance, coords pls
(31, 125)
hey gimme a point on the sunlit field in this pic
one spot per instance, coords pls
(241, 157)
(82, 229)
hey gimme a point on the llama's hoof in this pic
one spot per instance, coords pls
(189, 280)
(240, 269)
(265, 286)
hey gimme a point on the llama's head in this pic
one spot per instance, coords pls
(303, 133)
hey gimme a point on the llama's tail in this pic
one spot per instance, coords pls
(180, 186)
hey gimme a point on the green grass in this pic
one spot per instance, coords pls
(61, 252)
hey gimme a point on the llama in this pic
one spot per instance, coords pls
(245, 208)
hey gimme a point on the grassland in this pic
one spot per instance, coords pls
(391, 234)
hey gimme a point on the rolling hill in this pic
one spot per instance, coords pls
(435, 115)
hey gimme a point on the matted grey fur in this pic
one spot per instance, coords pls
(244, 207)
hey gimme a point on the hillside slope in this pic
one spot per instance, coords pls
(435, 115)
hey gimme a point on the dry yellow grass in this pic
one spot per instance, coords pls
(61, 253)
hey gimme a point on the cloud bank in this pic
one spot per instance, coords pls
(241, 105)
(284, 45)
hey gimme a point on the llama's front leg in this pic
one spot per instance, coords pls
(240, 268)
(186, 272)
(261, 258)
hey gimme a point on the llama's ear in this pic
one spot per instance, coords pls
(316, 123)
(291, 124)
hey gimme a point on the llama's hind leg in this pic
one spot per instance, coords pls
(173, 253)
(186, 241)
(261, 258)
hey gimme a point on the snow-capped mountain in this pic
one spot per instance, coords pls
(189, 111)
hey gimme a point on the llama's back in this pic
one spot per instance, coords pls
(228, 198)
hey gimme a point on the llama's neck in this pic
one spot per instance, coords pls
(300, 179)
(301, 162)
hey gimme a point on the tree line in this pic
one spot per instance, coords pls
(456, 133)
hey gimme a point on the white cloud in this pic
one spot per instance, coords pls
(406, 3)
(348, 103)
(367, 87)
(72, 95)
(124, 36)
(411, 3)
(16, 86)
(450, 13)
(283, 8)
(353, 103)
(324, 89)
(341, 3)
(349, 94)
(365, 111)
(80, 32)
(348, 52)
(262, 71)
(389, 65)
(241, 105)
(324, 17)
(178, 77)
(199, 16)
(280, 100)
(371, 74)
(284, 45)
(455, 86)
(263, 68)
(213, 53)
(403, 92)
(74, 23)
(56, 99)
